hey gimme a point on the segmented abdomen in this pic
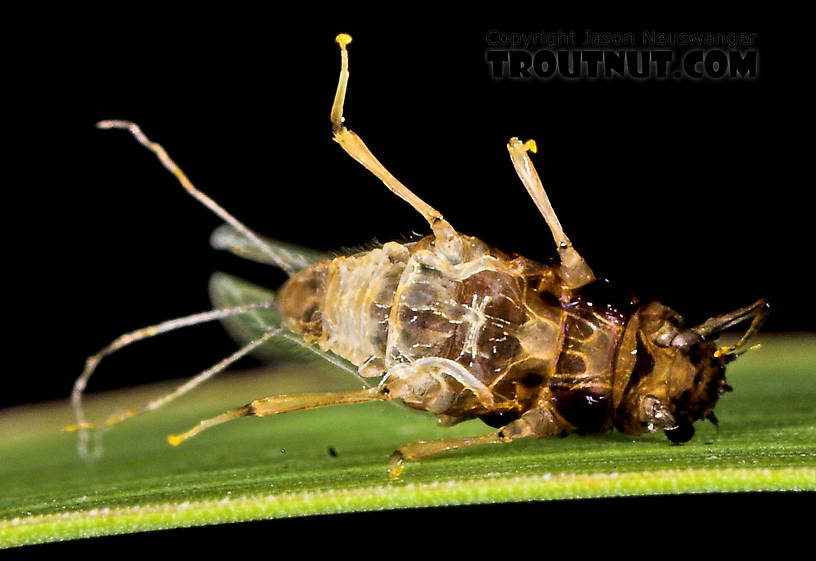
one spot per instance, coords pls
(388, 306)
(357, 306)
(499, 321)
(472, 320)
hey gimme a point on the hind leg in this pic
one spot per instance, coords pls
(171, 166)
(145, 333)
(448, 240)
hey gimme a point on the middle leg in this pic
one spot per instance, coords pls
(574, 269)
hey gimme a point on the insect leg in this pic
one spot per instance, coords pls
(144, 333)
(447, 238)
(425, 448)
(279, 404)
(540, 422)
(574, 269)
(168, 163)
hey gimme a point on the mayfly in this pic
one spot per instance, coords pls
(450, 325)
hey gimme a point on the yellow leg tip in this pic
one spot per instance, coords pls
(81, 426)
(395, 465)
(531, 146)
(343, 39)
(174, 439)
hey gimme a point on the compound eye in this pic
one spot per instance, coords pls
(680, 433)
(665, 337)
(685, 339)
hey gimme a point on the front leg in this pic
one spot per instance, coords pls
(541, 422)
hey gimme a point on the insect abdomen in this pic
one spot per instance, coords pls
(473, 320)
(390, 306)
(300, 301)
(499, 318)
(344, 304)
(357, 306)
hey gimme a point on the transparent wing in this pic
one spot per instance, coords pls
(296, 257)
(227, 290)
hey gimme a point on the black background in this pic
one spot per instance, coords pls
(692, 193)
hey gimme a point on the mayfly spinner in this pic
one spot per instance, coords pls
(450, 325)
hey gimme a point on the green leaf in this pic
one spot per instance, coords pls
(334, 460)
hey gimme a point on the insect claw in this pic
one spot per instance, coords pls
(395, 465)
(343, 39)
(531, 146)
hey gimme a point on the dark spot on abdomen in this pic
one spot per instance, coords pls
(532, 380)
(570, 363)
(588, 411)
(498, 419)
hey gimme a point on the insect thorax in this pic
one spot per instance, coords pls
(504, 320)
